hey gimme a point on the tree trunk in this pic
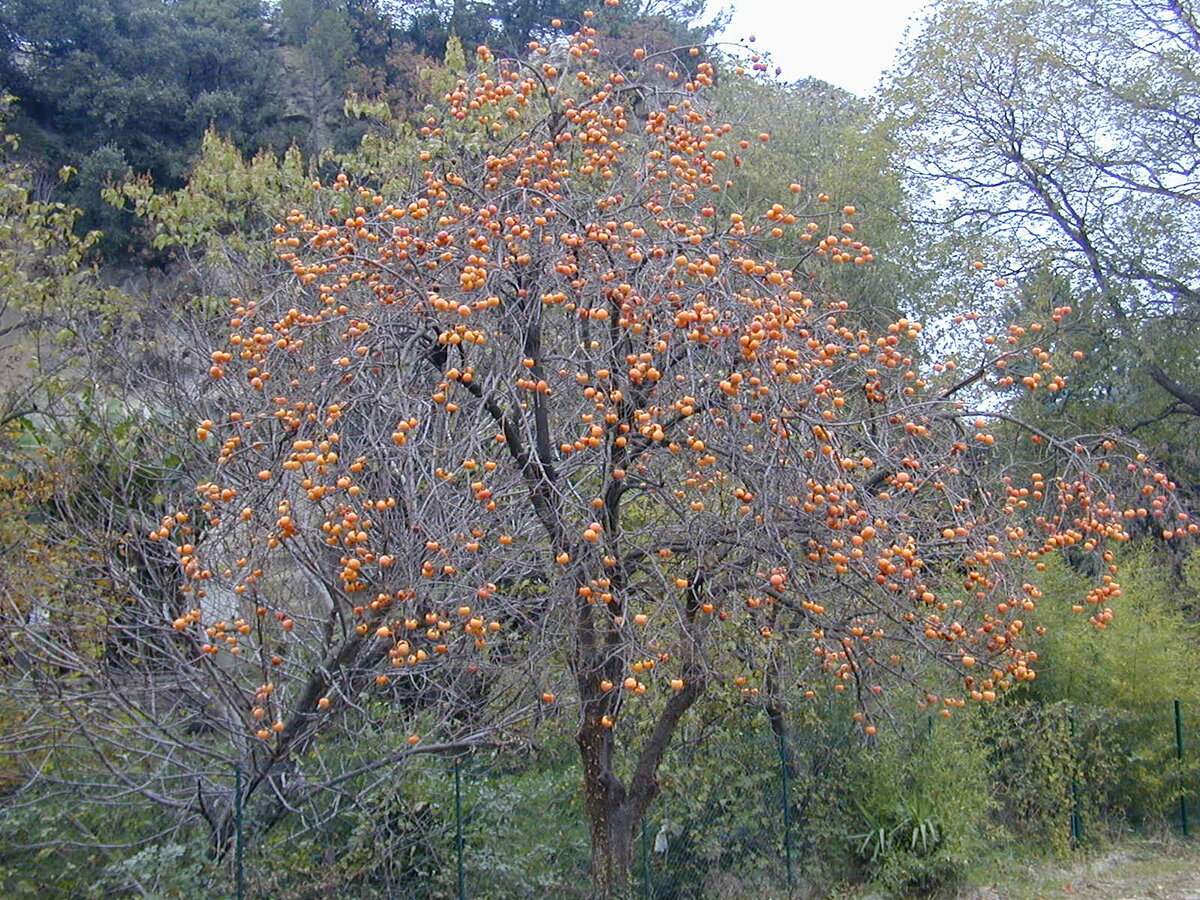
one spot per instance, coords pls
(612, 850)
(613, 812)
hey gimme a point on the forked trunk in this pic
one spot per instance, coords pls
(613, 812)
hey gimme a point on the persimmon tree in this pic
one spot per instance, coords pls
(558, 432)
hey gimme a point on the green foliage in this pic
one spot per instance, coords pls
(397, 836)
(721, 804)
(147, 854)
(131, 73)
(104, 166)
(510, 807)
(506, 26)
(523, 832)
(1144, 658)
(111, 85)
(160, 872)
(1125, 679)
(1052, 762)
(227, 205)
(51, 298)
(826, 139)
(919, 805)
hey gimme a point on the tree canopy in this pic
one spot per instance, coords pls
(547, 405)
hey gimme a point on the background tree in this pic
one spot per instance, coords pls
(832, 141)
(1066, 146)
(508, 27)
(114, 86)
(141, 76)
(319, 44)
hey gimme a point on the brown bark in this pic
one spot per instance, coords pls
(1190, 399)
(615, 810)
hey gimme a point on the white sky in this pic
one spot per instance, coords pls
(849, 46)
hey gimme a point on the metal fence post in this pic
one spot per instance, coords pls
(1183, 816)
(1076, 819)
(645, 841)
(787, 809)
(458, 831)
(238, 840)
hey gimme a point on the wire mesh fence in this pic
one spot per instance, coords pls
(755, 803)
(751, 801)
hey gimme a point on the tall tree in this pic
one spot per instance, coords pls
(319, 35)
(109, 85)
(141, 75)
(1064, 135)
(547, 419)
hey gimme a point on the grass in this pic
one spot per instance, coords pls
(1169, 870)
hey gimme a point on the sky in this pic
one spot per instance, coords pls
(849, 46)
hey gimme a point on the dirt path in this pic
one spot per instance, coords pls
(1143, 871)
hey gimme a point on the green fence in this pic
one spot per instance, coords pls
(769, 806)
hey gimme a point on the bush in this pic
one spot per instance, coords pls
(1054, 762)
(919, 806)
(1123, 682)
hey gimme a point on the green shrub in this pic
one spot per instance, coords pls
(1123, 681)
(918, 806)
(1053, 762)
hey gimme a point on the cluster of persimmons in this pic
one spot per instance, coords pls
(559, 401)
